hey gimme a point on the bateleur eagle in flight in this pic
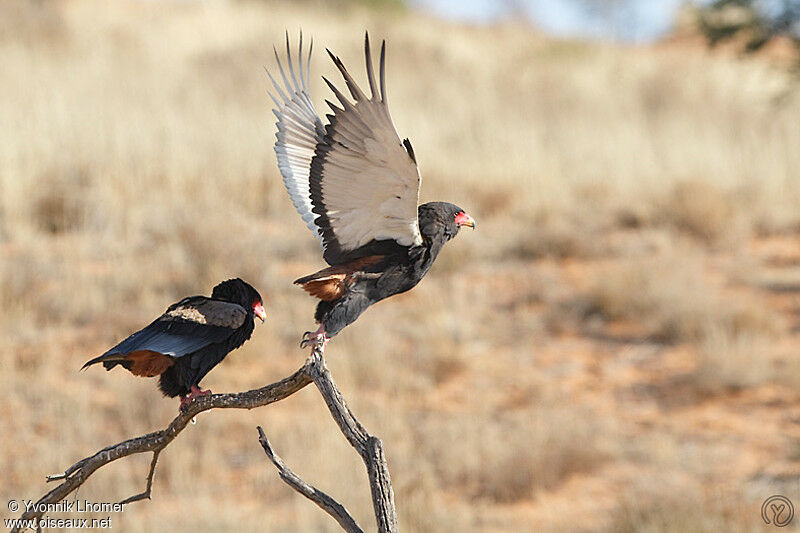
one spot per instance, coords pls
(356, 186)
(189, 339)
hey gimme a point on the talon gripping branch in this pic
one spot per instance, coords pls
(356, 186)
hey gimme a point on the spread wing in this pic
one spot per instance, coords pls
(354, 183)
(187, 326)
(299, 131)
(364, 181)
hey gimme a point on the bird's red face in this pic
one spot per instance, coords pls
(463, 219)
(258, 310)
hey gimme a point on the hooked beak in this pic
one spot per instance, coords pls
(463, 219)
(260, 313)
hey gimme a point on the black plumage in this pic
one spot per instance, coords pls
(347, 290)
(189, 339)
(356, 185)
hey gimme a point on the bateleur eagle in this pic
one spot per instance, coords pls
(189, 339)
(356, 186)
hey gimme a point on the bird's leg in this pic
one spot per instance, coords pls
(317, 339)
(195, 391)
(309, 336)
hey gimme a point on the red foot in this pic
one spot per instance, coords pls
(195, 392)
(318, 339)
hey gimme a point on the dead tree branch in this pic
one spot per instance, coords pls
(146, 494)
(368, 447)
(77, 474)
(328, 504)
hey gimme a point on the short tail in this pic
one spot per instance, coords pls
(109, 361)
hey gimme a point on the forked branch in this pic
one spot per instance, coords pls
(369, 448)
(77, 474)
(328, 504)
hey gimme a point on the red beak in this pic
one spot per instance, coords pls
(463, 219)
(259, 312)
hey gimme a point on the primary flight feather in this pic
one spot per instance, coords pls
(356, 186)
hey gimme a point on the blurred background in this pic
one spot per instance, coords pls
(613, 349)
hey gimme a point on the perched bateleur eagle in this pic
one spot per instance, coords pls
(356, 186)
(189, 339)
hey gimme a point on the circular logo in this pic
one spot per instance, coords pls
(777, 510)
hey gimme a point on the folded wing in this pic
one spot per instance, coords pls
(187, 326)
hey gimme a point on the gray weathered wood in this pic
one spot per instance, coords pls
(368, 447)
(328, 504)
(74, 476)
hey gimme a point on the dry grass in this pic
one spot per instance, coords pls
(705, 211)
(625, 184)
(733, 361)
(687, 510)
(506, 457)
(671, 296)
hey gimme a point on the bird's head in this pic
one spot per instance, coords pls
(442, 218)
(240, 292)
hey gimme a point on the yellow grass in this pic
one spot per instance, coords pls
(628, 201)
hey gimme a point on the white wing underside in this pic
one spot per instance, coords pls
(369, 183)
(364, 184)
(299, 131)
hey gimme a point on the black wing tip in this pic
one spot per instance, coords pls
(409, 149)
(99, 359)
(382, 69)
(336, 109)
(304, 279)
(366, 39)
(338, 62)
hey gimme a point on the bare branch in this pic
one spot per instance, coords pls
(368, 447)
(77, 474)
(325, 502)
(146, 494)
